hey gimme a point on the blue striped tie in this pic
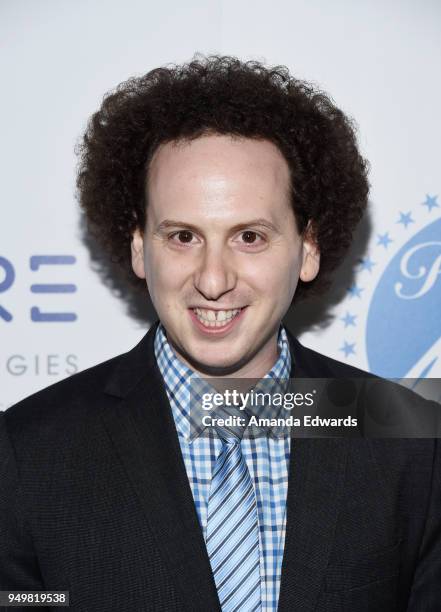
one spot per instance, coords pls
(233, 532)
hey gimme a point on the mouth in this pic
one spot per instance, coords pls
(215, 321)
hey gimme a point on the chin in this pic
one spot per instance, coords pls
(215, 367)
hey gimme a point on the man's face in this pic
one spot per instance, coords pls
(221, 253)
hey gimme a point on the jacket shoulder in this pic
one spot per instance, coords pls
(315, 364)
(76, 403)
(69, 398)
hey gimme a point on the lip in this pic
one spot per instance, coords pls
(216, 331)
(217, 309)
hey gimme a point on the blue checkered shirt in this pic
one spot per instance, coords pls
(267, 459)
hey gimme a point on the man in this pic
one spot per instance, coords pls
(227, 188)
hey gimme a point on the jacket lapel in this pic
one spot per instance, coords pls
(142, 428)
(316, 481)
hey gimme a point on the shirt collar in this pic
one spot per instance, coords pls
(178, 376)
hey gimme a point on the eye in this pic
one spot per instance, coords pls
(250, 237)
(183, 236)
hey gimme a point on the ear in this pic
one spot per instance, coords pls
(310, 255)
(137, 250)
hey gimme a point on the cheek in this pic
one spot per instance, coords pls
(278, 275)
(165, 272)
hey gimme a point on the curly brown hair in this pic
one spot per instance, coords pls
(224, 95)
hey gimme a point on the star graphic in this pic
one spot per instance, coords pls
(367, 264)
(355, 291)
(430, 202)
(384, 240)
(348, 349)
(405, 219)
(349, 319)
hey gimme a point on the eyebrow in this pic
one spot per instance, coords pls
(253, 222)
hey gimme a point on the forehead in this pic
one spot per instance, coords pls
(220, 170)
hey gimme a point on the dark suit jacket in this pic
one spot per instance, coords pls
(94, 499)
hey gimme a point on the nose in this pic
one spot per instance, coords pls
(216, 273)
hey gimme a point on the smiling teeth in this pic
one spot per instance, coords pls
(215, 318)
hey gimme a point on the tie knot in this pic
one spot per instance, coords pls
(231, 423)
(227, 437)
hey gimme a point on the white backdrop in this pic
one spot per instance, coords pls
(379, 61)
